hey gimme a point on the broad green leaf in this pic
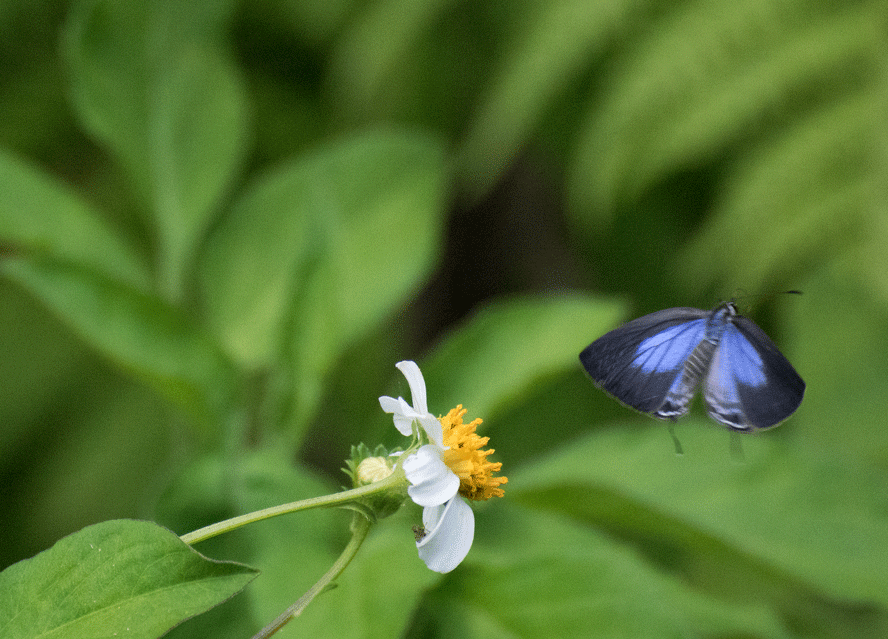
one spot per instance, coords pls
(790, 520)
(816, 187)
(117, 578)
(253, 264)
(535, 575)
(39, 215)
(137, 331)
(198, 137)
(118, 51)
(509, 347)
(198, 495)
(709, 76)
(838, 338)
(559, 42)
(375, 46)
(106, 44)
(320, 251)
(151, 82)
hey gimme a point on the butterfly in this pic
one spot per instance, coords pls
(655, 363)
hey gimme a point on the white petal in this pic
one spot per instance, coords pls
(392, 405)
(404, 425)
(403, 413)
(433, 429)
(432, 482)
(450, 530)
(417, 385)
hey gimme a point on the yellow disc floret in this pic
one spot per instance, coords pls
(466, 459)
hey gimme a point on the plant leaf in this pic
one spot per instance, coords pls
(117, 578)
(41, 216)
(509, 347)
(554, 577)
(151, 83)
(788, 520)
(137, 331)
(711, 76)
(320, 251)
(198, 139)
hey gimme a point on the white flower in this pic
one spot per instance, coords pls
(448, 521)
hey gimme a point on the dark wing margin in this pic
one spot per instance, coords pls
(751, 385)
(642, 380)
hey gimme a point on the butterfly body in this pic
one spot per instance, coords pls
(655, 364)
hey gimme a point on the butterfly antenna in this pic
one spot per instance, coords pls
(743, 295)
(678, 449)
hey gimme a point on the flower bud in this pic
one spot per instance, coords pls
(368, 467)
(372, 469)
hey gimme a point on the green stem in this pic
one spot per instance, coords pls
(336, 499)
(360, 526)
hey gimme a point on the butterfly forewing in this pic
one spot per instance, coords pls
(640, 361)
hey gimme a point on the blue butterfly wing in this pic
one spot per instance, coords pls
(639, 362)
(750, 384)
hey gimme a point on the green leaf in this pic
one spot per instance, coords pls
(138, 331)
(151, 82)
(511, 346)
(815, 187)
(535, 575)
(198, 138)
(117, 578)
(41, 216)
(780, 521)
(376, 46)
(558, 43)
(709, 76)
(320, 251)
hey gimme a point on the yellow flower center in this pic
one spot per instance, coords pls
(466, 459)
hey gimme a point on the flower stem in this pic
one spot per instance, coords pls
(336, 499)
(360, 526)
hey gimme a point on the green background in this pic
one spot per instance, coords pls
(222, 223)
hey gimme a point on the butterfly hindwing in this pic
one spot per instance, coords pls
(639, 362)
(750, 385)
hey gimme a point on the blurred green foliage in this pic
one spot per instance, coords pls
(222, 223)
